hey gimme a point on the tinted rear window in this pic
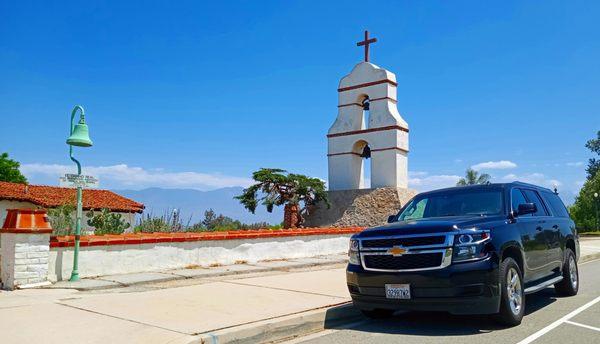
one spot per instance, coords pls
(556, 205)
(517, 199)
(533, 197)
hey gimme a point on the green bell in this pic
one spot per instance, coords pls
(80, 136)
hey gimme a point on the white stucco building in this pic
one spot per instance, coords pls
(21, 196)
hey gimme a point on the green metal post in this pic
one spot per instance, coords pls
(75, 272)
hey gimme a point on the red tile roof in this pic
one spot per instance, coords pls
(53, 196)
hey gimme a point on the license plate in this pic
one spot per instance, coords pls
(397, 291)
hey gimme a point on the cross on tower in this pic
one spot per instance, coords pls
(366, 43)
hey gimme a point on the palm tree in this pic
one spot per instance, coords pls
(473, 177)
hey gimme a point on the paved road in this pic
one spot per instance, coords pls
(549, 319)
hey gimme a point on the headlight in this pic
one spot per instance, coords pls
(470, 245)
(353, 255)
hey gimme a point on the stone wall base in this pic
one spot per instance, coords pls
(24, 259)
(361, 207)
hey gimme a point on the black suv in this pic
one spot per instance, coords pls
(466, 250)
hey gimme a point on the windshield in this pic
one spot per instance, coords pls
(458, 202)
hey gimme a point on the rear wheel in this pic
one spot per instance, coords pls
(569, 285)
(378, 313)
(512, 302)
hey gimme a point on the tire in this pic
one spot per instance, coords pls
(378, 313)
(569, 286)
(512, 298)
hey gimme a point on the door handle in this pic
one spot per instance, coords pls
(555, 226)
(539, 229)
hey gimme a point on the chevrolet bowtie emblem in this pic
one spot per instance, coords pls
(396, 251)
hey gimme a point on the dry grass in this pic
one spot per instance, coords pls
(193, 266)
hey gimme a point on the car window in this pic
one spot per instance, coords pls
(533, 197)
(518, 198)
(455, 202)
(556, 205)
(415, 210)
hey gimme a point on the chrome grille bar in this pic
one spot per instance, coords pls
(444, 248)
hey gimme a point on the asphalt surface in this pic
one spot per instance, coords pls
(548, 319)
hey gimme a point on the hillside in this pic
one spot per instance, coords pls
(193, 203)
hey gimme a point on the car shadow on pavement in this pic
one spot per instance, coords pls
(440, 323)
(539, 300)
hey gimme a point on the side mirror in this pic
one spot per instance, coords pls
(527, 208)
(391, 218)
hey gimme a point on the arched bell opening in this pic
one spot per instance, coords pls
(366, 108)
(363, 155)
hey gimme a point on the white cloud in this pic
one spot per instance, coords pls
(124, 176)
(417, 174)
(422, 181)
(533, 178)
(575, 164)
(494, 165)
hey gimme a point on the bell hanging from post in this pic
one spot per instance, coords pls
(80, 136)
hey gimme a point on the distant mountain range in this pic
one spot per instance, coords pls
(193, 203)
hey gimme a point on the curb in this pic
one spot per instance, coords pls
(585, 235)
(589, 257)
(282, 328)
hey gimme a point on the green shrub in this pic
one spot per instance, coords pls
(107, 222)
(62, 219)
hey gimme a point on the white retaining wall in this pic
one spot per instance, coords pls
(120, 259)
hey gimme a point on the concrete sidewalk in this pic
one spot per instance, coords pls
(197, 272)
(249, 306)
(165, 312)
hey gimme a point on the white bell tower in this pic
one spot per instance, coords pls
(371, 90)
(368, 130)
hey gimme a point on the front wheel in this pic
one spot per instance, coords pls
(512, 302)
(569, 285)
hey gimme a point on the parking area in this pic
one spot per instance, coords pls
(581, 325)
(549, 319)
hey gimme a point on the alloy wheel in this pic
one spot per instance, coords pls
(573, 272)
(514, 291)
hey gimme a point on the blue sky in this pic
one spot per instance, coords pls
(200, 94)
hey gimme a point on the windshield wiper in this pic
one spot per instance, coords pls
(479, 214)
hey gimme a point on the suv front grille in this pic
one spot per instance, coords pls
(399, 253)
(406, 242)
(404, 262)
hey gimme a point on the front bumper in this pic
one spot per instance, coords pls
(466, 288)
